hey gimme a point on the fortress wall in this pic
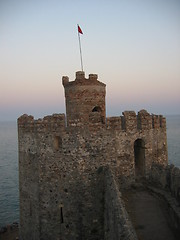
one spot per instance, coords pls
(129, 128)
(117, 224)
(155, 145)
(69, 184)
(82, 153)
(159, 146)
(53, 123)
(59, 171)
(132, 122)
(114, 123)
(129, 122)
(175, 182)
(29, 192)
(68, 202)
(115, 142)
(28, 182)
(168, 178)
(144, 120)
(35, 141)
(61, 160)
(68, 180)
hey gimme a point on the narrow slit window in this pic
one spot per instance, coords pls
(61, 213)
(30, 210)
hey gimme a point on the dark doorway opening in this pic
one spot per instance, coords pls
(139, 158)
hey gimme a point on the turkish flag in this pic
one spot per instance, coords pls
(79, 30)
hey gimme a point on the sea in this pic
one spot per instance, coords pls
(9, 195)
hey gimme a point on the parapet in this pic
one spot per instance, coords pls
(65, 80)
(93, 77)
(158, 121)
(144, 120)
(81, 80)
(131, 122)
(80, 75)
(114, 123)
(127, 122)
(48, 123)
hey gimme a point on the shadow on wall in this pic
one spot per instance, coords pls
(139, 157)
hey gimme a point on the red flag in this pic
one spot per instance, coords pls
(79, 30)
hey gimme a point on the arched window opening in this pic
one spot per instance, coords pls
(96, 116)
(139, 157)
(97, 109)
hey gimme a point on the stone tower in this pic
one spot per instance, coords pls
(85, 100)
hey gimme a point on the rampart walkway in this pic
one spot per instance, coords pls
(149, 215)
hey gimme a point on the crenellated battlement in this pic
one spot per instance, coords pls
(80, 80)
(84, 96)
(131, 122)
(48, 123)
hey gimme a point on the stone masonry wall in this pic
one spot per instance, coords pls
(168, 178)
(35, 142)
(67, 203)
(61, 192)
(117, 224)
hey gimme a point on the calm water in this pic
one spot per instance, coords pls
(173, 138)
(9, 199)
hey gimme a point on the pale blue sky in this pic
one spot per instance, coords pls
(133, 46)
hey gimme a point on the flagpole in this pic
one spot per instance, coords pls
(80, 50)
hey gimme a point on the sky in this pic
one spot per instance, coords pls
(133, 46)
